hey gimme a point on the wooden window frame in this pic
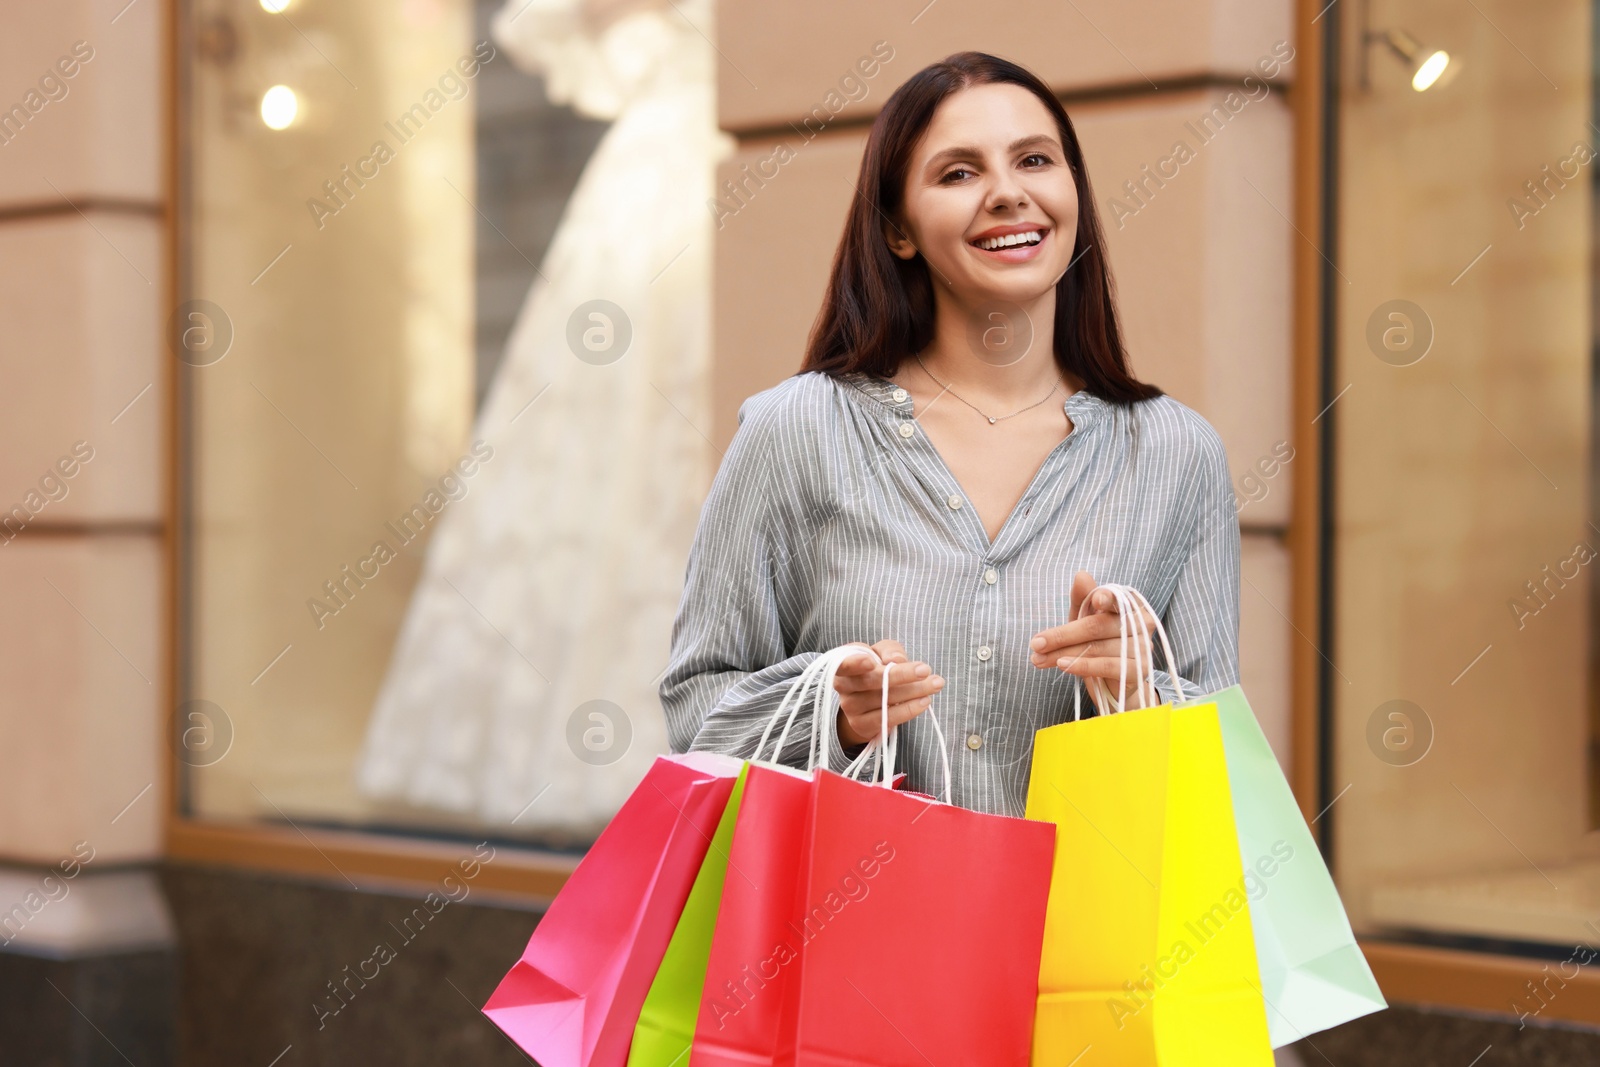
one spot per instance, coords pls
(1408, 973)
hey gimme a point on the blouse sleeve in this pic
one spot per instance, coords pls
(1202, 618)
(730, 666)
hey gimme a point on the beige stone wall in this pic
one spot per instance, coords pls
(83, 286)
(1202, 263)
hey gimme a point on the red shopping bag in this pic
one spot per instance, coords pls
(926, 923)
(574, 997)
(873, 927)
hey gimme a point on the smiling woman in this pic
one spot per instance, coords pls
(856, 505)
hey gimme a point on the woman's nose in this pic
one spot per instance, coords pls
(1006, 192)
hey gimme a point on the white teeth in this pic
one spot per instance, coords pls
(1010, 240)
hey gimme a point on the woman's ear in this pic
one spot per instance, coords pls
(898, 242)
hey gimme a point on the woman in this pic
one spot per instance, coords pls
(963, 455)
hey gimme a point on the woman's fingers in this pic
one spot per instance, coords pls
(1090, 628)
(1113, 648)
(1090, 662)
(859, 682)
(1083, 584)
(871, 678)
(864, 702)
(860, 727)
(888, 650)
(1049, 645)
(1109, 668)
(891, 651)
(1061, 657)
(857, 663)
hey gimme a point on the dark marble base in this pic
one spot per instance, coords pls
(1402, 1037)
(250, 986)
(103, 1011)
(257, 954)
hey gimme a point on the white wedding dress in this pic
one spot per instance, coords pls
(555, 580)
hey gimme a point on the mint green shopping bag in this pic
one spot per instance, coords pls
(1313, 975)
(672, 1007)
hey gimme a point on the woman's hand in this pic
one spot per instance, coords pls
(1091, 647)
(860, 686)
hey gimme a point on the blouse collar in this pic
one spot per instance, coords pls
(1083, 408)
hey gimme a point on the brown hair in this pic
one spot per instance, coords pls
(878, 308)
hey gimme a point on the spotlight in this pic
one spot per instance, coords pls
(279, 105)
(1428, 66)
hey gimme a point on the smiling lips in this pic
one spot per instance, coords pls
(1011, 244)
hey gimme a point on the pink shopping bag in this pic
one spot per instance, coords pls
(574, 997)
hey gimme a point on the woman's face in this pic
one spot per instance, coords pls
(989, 199)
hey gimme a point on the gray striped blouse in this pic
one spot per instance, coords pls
(833, 519)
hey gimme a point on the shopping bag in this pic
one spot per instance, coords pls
(739, 1013)
(667, 1019)
(1149, 955)
(1313, 974)
(920, 931)
(875, 926)
(573, 999)
(747, 977)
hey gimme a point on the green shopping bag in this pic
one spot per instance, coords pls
(1313, 975)
(672, 1007)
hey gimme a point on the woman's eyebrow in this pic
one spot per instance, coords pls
(971, 152)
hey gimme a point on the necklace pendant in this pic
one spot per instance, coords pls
(991, 421)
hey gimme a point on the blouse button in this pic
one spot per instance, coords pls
(974, 741)
(954, 501)
(984, 653)
(990, 576)
(900, 396)
(906, 429)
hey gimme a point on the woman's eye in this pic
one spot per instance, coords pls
(1044, 160)
(950, 174)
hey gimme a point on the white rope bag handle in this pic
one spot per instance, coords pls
(887, 750)
(816, 682)
(1131, 626)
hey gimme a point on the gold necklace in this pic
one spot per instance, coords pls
(992, 418)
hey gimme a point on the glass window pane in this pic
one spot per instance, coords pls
(369, 192)
(1459, 666)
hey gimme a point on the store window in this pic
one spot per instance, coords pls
(369, 191)
(1464, 535)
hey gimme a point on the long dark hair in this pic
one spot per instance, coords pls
(879, 308)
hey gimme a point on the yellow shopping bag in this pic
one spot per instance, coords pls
(1148, 955)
